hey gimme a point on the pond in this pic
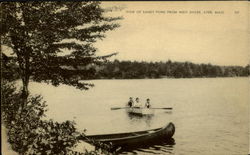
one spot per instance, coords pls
(211, 115)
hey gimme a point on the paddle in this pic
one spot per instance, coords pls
(116, 108)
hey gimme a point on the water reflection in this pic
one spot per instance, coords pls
(154, 147)
(215, 109)
(134, 118)
(147, 120)
(168, 112)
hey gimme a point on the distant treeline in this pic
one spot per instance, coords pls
(138, 70)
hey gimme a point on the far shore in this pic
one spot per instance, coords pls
(165, 77)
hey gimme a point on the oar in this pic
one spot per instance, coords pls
(163, 108)
(116, 108)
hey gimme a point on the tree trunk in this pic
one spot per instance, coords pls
(25, 93)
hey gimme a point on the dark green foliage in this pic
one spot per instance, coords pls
(138, 70)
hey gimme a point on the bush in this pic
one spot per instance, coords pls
(29, 134)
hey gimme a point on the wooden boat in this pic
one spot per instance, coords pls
(140, 111)
(131, 138)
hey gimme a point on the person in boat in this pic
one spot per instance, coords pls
(130, 102)
(147, 104)
(137, 103)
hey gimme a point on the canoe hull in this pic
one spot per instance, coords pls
(144, 139)
(140, 137)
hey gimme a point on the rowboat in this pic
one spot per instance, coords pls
(140, 111)
(132, 138)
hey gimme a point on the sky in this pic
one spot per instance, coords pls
(194, 36)
(220, 39)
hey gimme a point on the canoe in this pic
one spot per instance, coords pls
(140, 111)
(132, 138)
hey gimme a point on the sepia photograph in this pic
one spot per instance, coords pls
(125, 77)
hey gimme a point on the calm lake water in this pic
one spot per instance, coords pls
(211, 115)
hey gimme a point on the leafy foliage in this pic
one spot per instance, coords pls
(39, 32)
(27, 132)
(9, 69)
(49, 40)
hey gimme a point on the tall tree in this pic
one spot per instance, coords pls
(39, 33)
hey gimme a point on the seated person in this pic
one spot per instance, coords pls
(137, 103)
(130, 102)
(147, 104)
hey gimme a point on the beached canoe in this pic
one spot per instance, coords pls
(131, 138)
(140, 111)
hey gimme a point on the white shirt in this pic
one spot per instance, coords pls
(137, 104)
